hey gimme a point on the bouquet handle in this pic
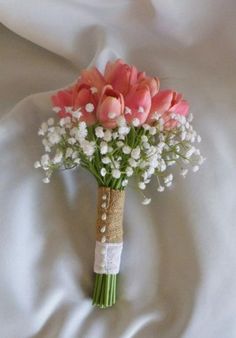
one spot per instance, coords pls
(109, 244)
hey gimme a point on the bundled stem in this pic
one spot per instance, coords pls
(104, 294)
(109, 243)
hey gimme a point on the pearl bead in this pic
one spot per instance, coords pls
(103, 240)
(104, 197)
(103, 229)
(104, 217)
(103, 205)
(103, 251)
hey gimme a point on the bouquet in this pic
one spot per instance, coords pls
(118, 125)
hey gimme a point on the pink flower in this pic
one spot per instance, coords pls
(152, 82)
(110, 106)
(165, 103)
(138, 103)
(86, 101)
(121, 91)
(93, 78)
(62, 100)
(120, 75)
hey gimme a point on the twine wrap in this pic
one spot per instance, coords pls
(109, 231)
(110, 207)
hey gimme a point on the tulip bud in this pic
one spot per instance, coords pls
(93, 78)
(153, 83)
(165, 103)
(138, 104)
(121, 76)
(110, 107)
(161, 103)
(61, 100)
(84, 100)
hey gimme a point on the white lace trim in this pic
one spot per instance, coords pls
(107, 257)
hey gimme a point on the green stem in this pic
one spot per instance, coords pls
(104, 294)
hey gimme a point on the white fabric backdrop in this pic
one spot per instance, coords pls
(178, 272)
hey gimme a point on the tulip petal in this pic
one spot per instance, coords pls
(110, 106)
(181, 108)
(141, 76)
(121, 76)
(177, 97)
(63, 99)
(111, 68)
(153, 83)
(109, 111)
(82, 96)
(93, 78)
(138, 102)
(161, 102)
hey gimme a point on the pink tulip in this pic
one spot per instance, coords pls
(120, 75)
(62, 100)
(180, 106)
(121, 91)
(141, 76)
(138, 103)
(165, 103)
(152, 82)
(93, 78)
(160, 103)
(110, 106)
(84, 99)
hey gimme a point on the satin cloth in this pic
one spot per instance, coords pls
(178, 270)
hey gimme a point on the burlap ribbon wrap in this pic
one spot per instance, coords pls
(110, 207)
(109, 230)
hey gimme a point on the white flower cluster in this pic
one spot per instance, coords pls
(113, 156)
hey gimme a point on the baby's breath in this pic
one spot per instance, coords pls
(114, 155)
